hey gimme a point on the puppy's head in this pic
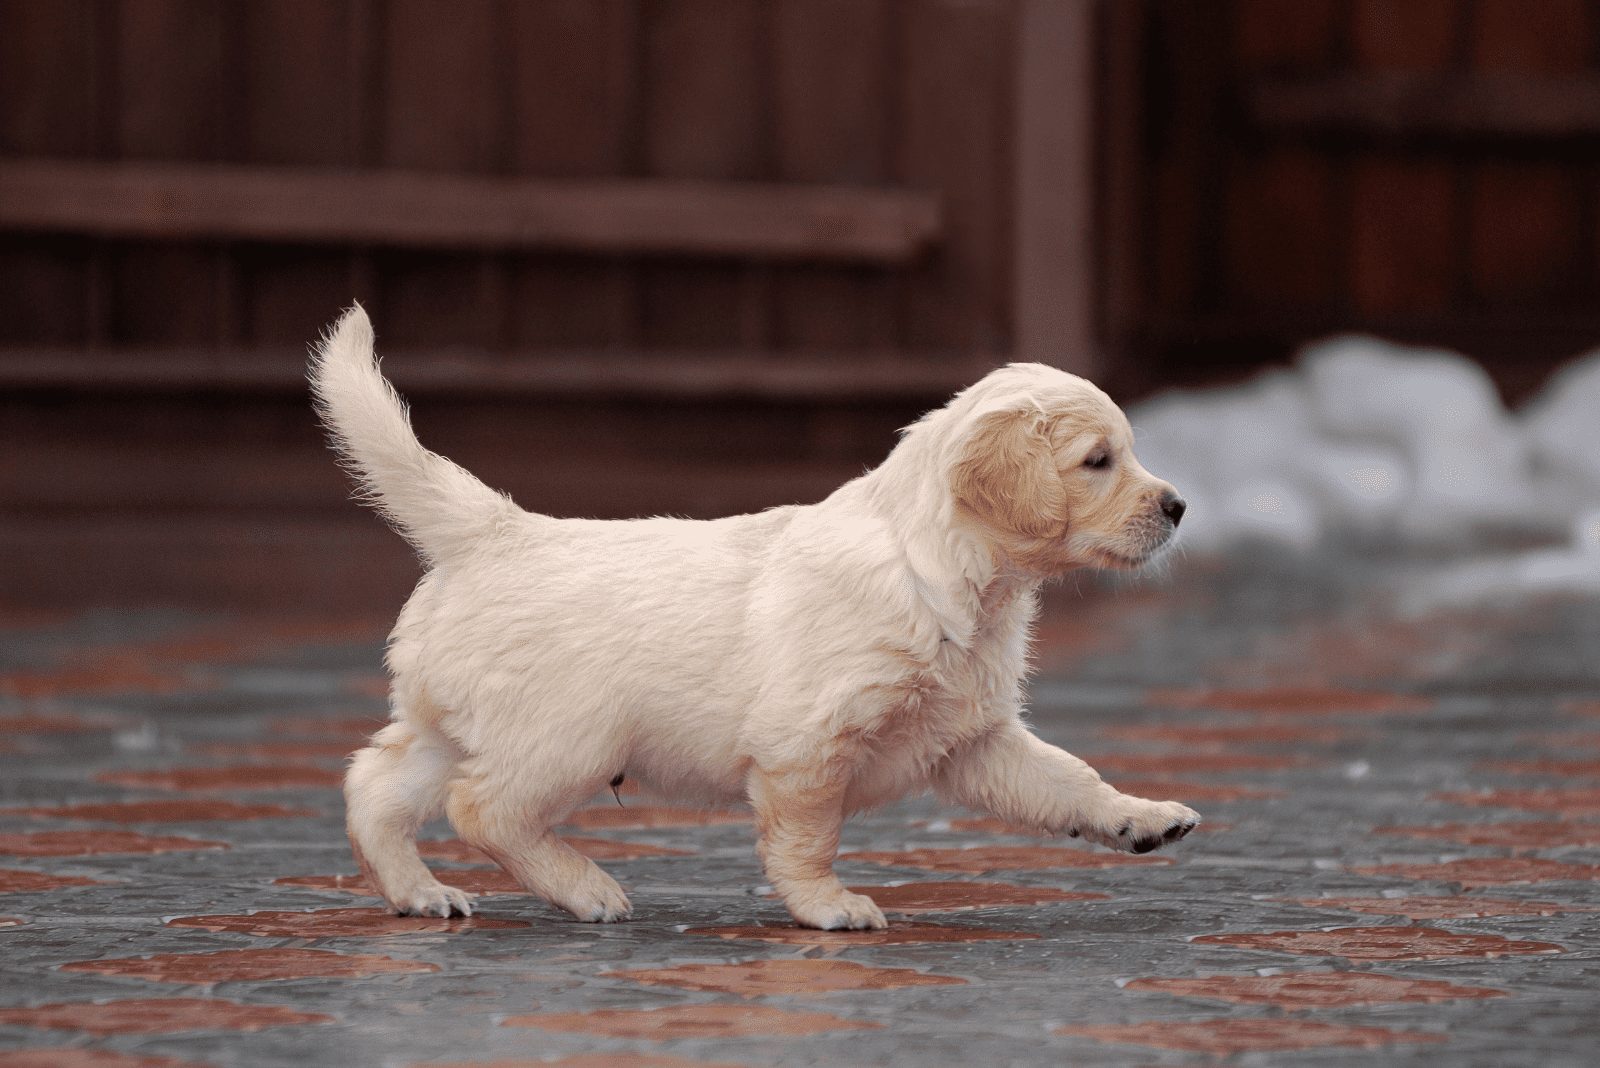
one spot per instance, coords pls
(1043, 462)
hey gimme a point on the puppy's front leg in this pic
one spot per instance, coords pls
(1029, 783)
(798, 817)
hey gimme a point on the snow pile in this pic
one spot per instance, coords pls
(1374, 440)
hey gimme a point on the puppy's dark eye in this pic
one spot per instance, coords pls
(1098, 460)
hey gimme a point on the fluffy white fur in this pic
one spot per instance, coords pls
(814, 660)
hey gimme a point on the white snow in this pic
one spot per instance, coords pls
(1395, 445)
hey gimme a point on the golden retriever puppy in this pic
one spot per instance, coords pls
(812, 660)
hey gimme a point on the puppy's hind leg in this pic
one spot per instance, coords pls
(392, 788)
(511, 822)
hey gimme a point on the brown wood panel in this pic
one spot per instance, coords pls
(1526, 240)
(1413, 35)
(42, 290)
(748, 220)
(803, 376)
(1189, 51)
(302, 96)
(1285, 231)
(575, 114)
(1404, 245)
(1054, 218)
(834, 106)
(444, 83)
(1523, 244)
(173, 84)
(446, 108)
(1265, 41)
(46, 78)
(955, 136)
(47, 107)
(706, 85)
(1513, 35)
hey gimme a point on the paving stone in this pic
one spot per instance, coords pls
(1231, 1036)
(248, 965)
(1314, 990)
(896, 934)
(760, 978)
(691, 1021)
(1382, 943)
(979, 859)
(1361, 773)
(96, 843)
(143, 1016)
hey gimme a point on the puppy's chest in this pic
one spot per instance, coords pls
(958, 696)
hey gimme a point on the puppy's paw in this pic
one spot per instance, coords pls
(1134, 825)
(842, 911)
(434, 899)
(599, 900)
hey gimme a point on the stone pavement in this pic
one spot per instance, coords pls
(1400, 864)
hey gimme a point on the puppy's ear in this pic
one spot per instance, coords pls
(1006, 475)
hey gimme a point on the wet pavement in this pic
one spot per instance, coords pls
(1400, 862)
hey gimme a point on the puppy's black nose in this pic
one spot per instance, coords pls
(1174, 507)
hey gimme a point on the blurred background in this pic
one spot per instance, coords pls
(703, 256)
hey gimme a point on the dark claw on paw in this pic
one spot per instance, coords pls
(1145, 845)
(1124, 829)
(1177, 831)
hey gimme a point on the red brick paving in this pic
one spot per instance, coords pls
(1001, 858)
(96, 843)
(896, 934)
(239, 777)
(330, 923)
(1575, 769)
(472, 880)
(17, 881)
(67, 1057)
(248, 965)
(1564, 740)
(762, 978)
(1191, 762)
(36, 723)
(356, 729)
(1314, 990)
(1455, 907)
(1382, 943)
(1225, 1037)
(1573, 801)
(1490, 871)
(1200, 736)
(95, 678)
(964, 896)
(166, 811)
(458, 852)
(610, 849)
(587, 1060)
(1524, 834)
(1174, 790)
(302, 750)
(691, 1021)
(645, 817)
(157, 1016)
(1293, 701)
(452, 849)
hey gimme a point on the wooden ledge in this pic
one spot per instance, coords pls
(1389, 105)
(748, 220)
(659, 375)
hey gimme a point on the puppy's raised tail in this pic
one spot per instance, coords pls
(440, 508)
